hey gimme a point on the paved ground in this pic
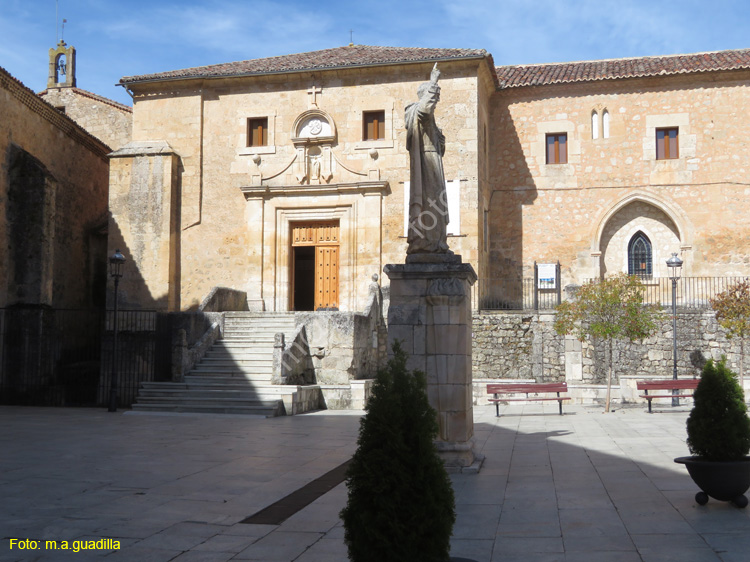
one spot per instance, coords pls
(583, 486)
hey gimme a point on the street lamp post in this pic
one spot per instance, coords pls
(675, 267)
(115, 271)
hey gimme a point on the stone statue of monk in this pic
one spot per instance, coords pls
(428, 203)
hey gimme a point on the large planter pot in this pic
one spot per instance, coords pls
(722, 480)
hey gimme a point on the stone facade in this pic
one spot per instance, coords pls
(197, 201)
(583, 213)
(237, 204)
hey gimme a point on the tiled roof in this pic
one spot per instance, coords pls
(561, 73)
(339, 57)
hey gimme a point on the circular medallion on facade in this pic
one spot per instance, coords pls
(315, 127)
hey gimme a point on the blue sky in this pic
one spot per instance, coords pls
(116, 38)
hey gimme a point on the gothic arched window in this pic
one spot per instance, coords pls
(594, 124)
(605, 124)
(640, 261)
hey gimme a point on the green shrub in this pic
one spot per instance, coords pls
(401, 505)
(718, 427)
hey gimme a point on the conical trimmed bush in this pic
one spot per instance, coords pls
(401, 505)
(718, 427)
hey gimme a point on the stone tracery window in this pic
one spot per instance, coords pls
(640, 260)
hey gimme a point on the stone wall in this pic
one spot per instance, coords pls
(107, 120)
(53, 205)
(524, 346)
(222, 299)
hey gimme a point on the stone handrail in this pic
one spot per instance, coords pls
(184, 358)
(292, 364)
(333, 347)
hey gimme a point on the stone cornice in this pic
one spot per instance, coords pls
(354, 188)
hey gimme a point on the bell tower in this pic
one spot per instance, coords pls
(62, 66)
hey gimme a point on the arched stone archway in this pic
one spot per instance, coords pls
(630, 219)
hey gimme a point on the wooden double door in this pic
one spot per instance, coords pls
(315, 265)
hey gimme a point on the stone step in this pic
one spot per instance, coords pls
(208, 400)
(214, 392)
(234, 374)
(238, 353)
(234, 371)
(231, 361)
(261, 339)
(251, 339)
(260, 316)
(261, 321)
(259, 385)
(256, 410)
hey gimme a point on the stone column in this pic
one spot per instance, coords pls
(430, 313)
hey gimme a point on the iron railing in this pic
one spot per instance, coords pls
(49, 357)
(56, 357)
(692, 292)
(519, 293)
(513, 294)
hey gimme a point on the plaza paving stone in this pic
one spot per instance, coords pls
(582, 486)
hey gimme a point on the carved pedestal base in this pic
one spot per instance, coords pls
(430, 313)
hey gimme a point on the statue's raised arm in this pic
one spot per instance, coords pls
(428, 203)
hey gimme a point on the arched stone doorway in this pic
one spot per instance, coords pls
(630, 229)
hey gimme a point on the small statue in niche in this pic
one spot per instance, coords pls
(315, 168)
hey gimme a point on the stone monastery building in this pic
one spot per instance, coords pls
(286, 177)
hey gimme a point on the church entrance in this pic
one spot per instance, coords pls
(315, 265)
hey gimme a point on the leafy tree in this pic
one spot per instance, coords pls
(732, 308)
(401, 504)
(609, 309)
(718, 427)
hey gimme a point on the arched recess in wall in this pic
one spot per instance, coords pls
(594, 124)
(664, 226)
(605, 124)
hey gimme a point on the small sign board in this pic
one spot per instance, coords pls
(547, 275)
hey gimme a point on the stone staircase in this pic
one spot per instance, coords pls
(234, 377)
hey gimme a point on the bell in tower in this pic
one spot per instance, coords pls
(62, 66)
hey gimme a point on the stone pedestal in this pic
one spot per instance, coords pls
(430, 313)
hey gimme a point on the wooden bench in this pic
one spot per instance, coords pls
(672, 386)
(498, 389)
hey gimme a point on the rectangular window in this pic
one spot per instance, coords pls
(557, 148)
(667, 144)
(373, 125)
(257, 131)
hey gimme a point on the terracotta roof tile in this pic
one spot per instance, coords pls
(515, 76)
(339, 57)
